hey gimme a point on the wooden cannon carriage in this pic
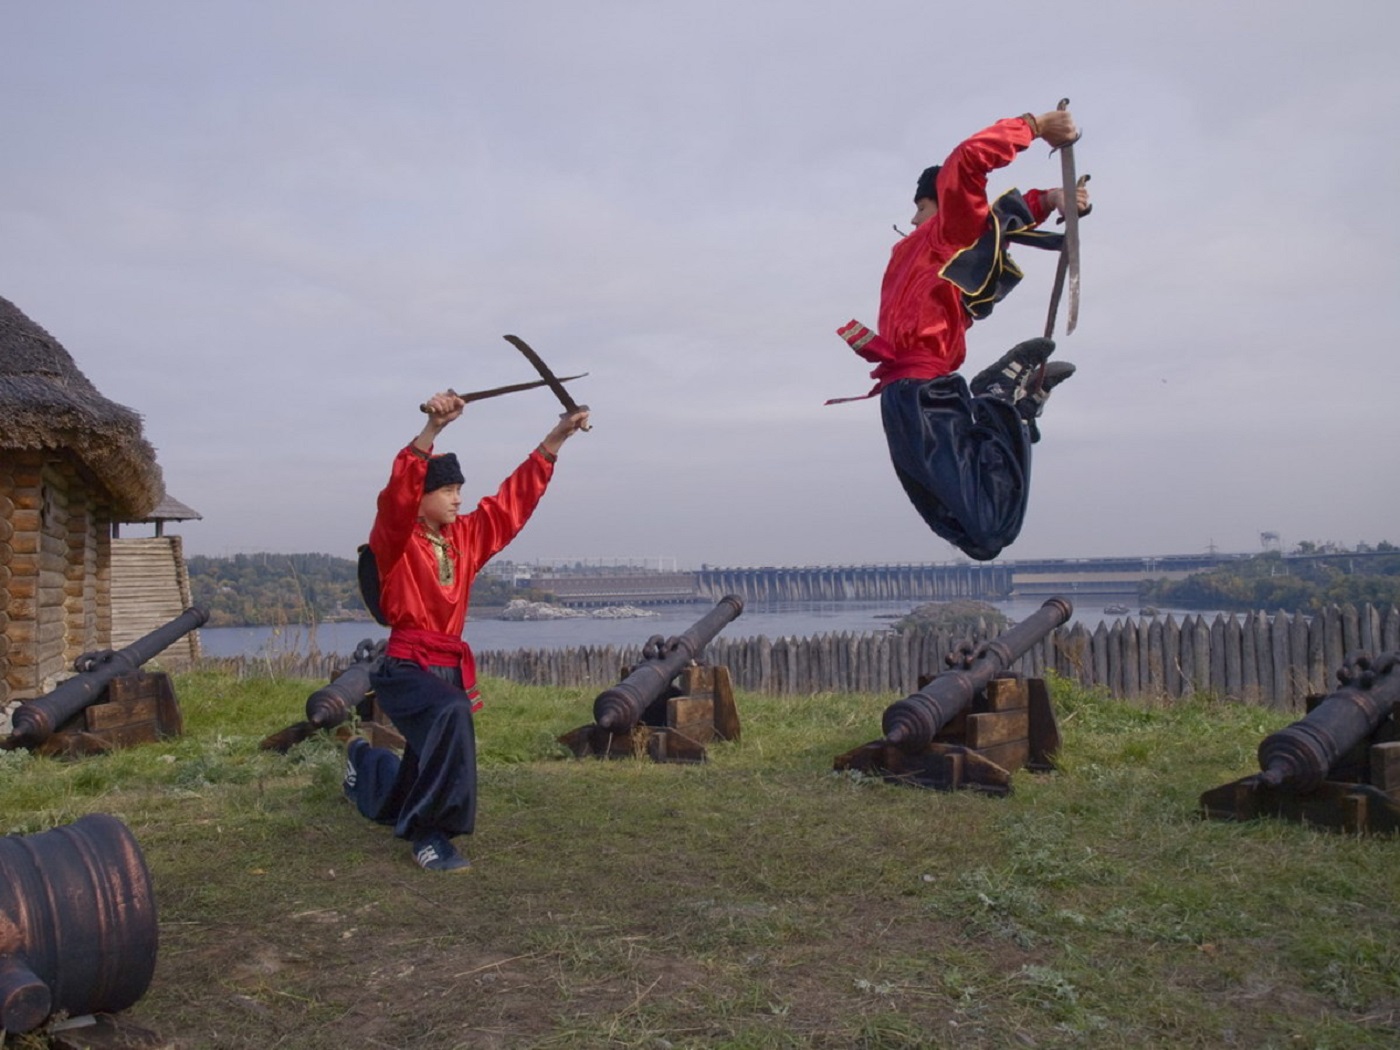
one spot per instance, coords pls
(110, 702)
(1338, 767)
(669, 707)
(349, 692)
(973, 725)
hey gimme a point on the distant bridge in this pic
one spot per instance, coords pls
(637, 587)
(838, 583)
(1105, 577)
(984, 581)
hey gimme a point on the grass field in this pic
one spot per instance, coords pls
(757, 901)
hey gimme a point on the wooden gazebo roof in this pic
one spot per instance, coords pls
(170, 509)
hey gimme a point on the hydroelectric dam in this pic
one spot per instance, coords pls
(985, 581)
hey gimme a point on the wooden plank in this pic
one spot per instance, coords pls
(108, 716)
(1263, 647)
(1216, 659)
(1044, 730)
(1115, 658)
(1351, 629)
(1317, 664)
(1385, 768)
(1131, 673)
(675, 745)
(726, 717)
(1186, 649)
(1010, 756)
(1298, 674)
(1370, 628)
(1249, 662)
(692, 716)
(1100, 655)
(1231, 644)
(991, 728)
(1390, 630)
(1279, 654)
(1171, 656)
(1004, 694)
(1200, 641)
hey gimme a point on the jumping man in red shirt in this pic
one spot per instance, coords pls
(962, 451)
(427, 557)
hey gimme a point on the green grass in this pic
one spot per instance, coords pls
(757, 901)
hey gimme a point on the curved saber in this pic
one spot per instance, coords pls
(497, 391)
(570, 405)
(1069, 256)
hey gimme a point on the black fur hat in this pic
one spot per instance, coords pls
(928, 184)
(443, 470)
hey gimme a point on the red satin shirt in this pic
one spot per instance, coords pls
(922, 321)
(426, 617)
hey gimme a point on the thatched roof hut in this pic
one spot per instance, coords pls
(47, 403)
(72, 464)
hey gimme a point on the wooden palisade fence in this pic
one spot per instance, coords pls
(1272, 659)
(1275, 660)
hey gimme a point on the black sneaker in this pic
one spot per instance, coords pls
(1007, 376)
(351, 775)
(435, 852)
(1036, 394)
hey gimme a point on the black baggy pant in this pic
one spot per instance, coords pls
(964, 461)
(433, 787)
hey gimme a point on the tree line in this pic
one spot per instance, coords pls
(1308, 578)
(275, 589)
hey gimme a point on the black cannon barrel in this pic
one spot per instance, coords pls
(912, 723)
(78, 928)
(1302, 754)
(332, 703)
(620, 707)
(35, 720)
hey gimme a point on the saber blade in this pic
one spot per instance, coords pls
(570, 405)
(1070, 187)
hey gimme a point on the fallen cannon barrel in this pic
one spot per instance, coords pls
(78, 929)
(1301, 754)
(36, 720)
(912, 723)
(332, 703)
(620, 707)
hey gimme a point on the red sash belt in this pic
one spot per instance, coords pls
(436, 649)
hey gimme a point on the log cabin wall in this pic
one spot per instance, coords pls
(53, 561)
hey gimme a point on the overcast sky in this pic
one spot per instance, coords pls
(273, 228)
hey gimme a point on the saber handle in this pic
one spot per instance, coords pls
(1059, 219)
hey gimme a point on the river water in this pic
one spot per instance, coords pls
(775, 620)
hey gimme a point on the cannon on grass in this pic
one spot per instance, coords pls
(1338, 766)
(669, 706)
(110, 702)
(348, 692)
(975, 724)
(78, 929)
